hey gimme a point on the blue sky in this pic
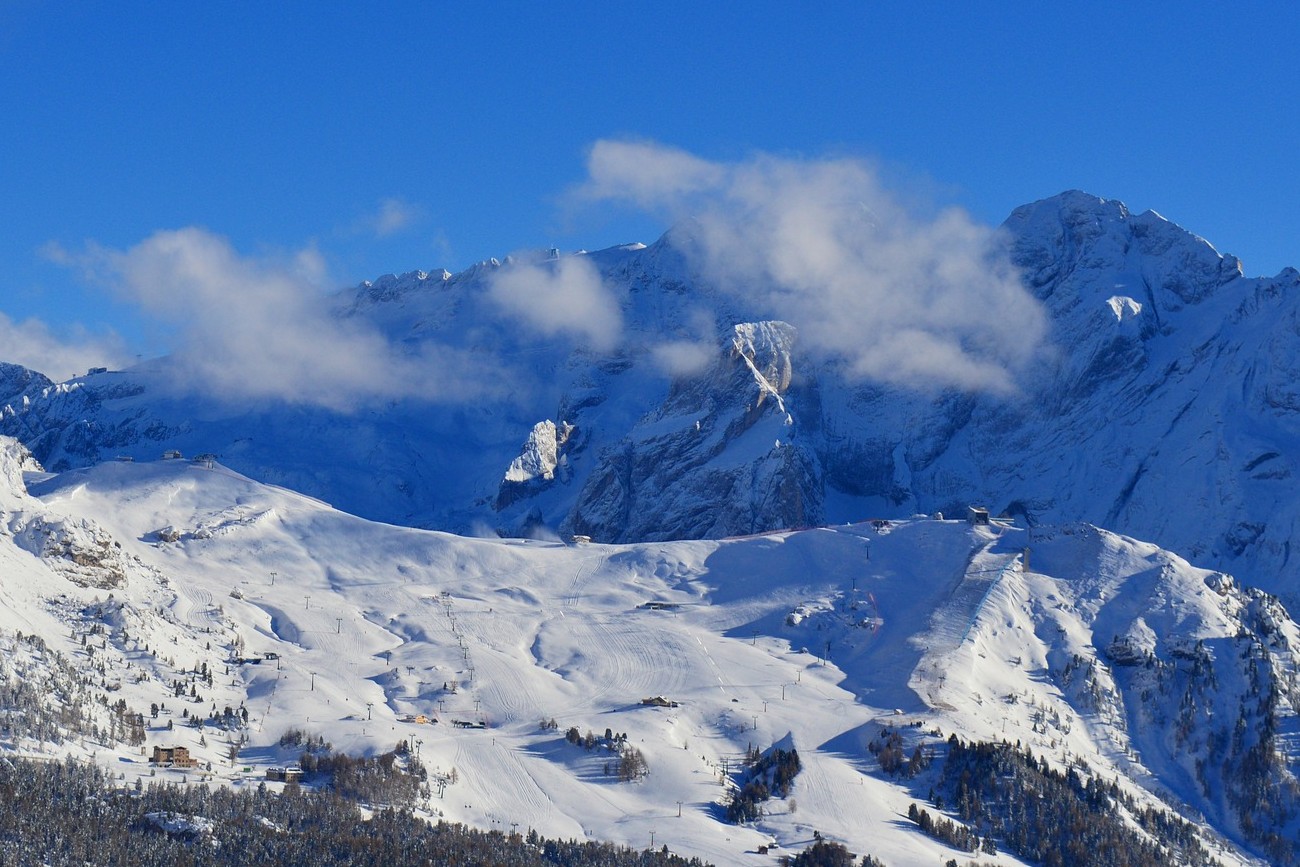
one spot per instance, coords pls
(391, 137)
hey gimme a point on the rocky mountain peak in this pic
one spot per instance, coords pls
(16, 379)
(1076, 235)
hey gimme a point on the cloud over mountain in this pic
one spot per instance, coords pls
(34, 345)
(900, 298)
(563, 296)
(262, 327)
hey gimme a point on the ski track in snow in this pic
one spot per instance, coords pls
(627, 657)
(587, 567)
(505, 689)
(493, 764)
(195, 608)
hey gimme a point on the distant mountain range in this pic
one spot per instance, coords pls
(1167, 409)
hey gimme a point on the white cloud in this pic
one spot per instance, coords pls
(391, 215)
(440, 244)
(258, 328)
(32, 344)
(692, 349)
(650, 175)
(559, 297)
(919, 302)
(684, 357)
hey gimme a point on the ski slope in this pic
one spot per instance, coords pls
(823, 637)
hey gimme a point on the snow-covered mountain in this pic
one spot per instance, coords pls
(1167, 409)
(260, 612)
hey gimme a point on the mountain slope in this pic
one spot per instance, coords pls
(1166, 409)
(820, 640)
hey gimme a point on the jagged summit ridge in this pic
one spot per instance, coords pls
(1074, 231)
(391, 287)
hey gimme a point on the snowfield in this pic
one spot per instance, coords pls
(820, 639)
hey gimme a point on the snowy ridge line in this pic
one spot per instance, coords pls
(985, 598)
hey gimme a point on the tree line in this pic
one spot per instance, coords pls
(66, 813)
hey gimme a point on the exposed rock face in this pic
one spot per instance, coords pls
(1167, 409)
(15, 380)
(15, 459)
(541, 460)
(77, 548)
(720, 457)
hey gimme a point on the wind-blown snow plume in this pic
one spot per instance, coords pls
(559, 297)
(258, 328)
(821, 244)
